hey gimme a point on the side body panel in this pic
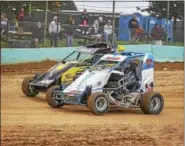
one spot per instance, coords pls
(95, 79)
(69, 75)
(148, 73)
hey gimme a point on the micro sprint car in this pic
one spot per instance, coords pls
(117, 80)
(68, 69)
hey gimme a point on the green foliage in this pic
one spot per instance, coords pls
(159, 8)
(52, 5)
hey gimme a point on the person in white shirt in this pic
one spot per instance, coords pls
(54, 31)
(107, 30)
(96, 26)
(97, 35)
(4, 22)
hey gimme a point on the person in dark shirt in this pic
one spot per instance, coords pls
(21, 19)
(38, 33)
(133, 25)
(157, 34)
(69, 31)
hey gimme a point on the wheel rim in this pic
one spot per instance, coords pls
(30, 89)
(101, 104)
(155, 104)
(56, 99)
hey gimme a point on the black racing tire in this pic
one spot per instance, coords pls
(152, 103)
(25, 87)
(92, 103)
(50, 100)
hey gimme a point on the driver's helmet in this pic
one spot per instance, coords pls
(134, 63)
(120, 48)
(135, 60)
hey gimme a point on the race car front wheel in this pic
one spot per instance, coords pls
(52, 99)
(26, 89)
(152, 103)
(97, 103)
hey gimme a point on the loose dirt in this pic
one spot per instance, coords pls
(30, 121)
(35, 67)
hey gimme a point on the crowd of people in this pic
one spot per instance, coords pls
(100, 30)
(137, 32)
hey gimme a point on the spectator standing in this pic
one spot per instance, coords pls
(21, 19)
(138, 33)
(97, 34)
(133, 25)
(4, 23)
(96, 26)
(101, 24)
(53, 31)
(38, 33)
(107, 30)
(157, 34)
(84, 22)
(69, 31)
(84, 18)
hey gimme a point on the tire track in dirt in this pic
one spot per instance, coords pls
(30, 121)
(40, 67)
(121, 135)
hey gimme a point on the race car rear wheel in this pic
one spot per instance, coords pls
(97, 103)
(152, 103)
(51, 97)
(26, 89)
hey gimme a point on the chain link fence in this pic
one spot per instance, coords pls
(33, 33)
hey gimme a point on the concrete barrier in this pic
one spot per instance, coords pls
(16, 55)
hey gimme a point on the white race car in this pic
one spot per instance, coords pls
(116, 80)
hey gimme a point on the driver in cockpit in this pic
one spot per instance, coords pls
(132, 72)
(134, 78)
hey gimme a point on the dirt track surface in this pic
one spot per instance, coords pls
(35, 67)
(30, 121)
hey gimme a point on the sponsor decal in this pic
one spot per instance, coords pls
(112, 58)
(72, 93)
(85, 50)
(46, 81)
(148, 87)
(149, 62)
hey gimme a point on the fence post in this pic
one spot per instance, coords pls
(167, 18)
(113, 22)
(45, 23)
(148, 25)
(8, 26)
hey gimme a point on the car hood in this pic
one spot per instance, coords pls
(95, 79)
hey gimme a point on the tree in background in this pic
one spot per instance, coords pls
(52, 5)
(14, 6)
(159, 9)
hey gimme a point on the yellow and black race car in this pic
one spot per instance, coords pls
(68, 69)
